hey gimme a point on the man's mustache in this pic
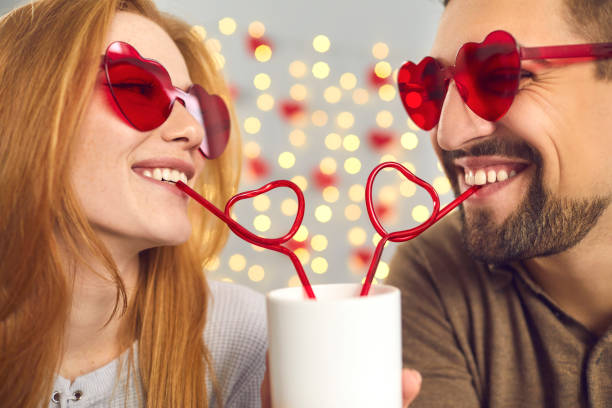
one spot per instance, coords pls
(494, 147)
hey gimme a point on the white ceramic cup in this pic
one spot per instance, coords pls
(338, 351)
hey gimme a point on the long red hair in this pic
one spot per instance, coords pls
(49, 54)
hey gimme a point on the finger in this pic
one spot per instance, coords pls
(411, 385)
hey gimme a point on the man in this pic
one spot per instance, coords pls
(508, 303)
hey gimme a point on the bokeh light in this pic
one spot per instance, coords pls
(382, 69)
(297, 137)
(319, 243)
(298, 69)
(331, 194)
(265, 102)
(384, 119)
(357, 193)
(321, 43)
(319, 118)
(320, 70)
(289, 207)
(261, 203)
(386, 92)
(350, 143)
(361, 96)
(328, 165)
(298, 92)
(302, 234)
(345, 120)
(286, 160)
(263, 53)
(380, 50)
(252, 125)
(323, 213)
(262, 81)
(319, 265)
(333, 141)
(442, 185)
(199, 31)
(348, 81)
(357, 236)
(352, 165)
(382, 271)
(332, 94)
(262, 223)
(227, 26)
(237, 262)
(352, 212)
(301, 182)
(257, 29)
(409, 140)
(256, 273)
(251, 149)
(420, 213)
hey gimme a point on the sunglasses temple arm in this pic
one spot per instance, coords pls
(597, 50)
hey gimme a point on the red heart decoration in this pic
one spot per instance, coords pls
(262, 190)
(404, 234)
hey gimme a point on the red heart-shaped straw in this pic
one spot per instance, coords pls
(410, 233)
(268, 243)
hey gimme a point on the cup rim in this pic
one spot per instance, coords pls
(291, 295)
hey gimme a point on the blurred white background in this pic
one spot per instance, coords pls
(318, 106)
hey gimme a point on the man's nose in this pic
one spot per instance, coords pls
(458, 125)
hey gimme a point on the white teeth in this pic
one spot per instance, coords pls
(157, 174)
(469, 178)
(491, 176)
(480, 178)
(165, 174)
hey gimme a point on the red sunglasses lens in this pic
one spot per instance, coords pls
(139, 94)
(487, 75)
(215, 119)
(422, 89)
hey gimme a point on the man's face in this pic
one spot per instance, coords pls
(547, 162)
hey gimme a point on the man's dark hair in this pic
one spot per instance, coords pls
(591, 19)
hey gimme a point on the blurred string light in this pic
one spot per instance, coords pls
(298, 69)
(321, 43)
(227, 26)
(320, 70)
(263, 53)
(262, 81)
(257, 29)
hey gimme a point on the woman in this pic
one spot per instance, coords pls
(102, 297)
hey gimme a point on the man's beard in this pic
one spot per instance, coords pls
(541, 225)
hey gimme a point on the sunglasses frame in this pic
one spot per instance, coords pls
(192, 99)
(579, 52)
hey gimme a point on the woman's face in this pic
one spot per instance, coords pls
(130, 211)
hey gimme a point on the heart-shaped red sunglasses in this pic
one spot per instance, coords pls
(144, 95)
(486, 74)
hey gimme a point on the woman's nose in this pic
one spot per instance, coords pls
(182, 127)
(458, 125)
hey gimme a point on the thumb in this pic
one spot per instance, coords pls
(411, 385)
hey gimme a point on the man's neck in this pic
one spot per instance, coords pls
(579, 280)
